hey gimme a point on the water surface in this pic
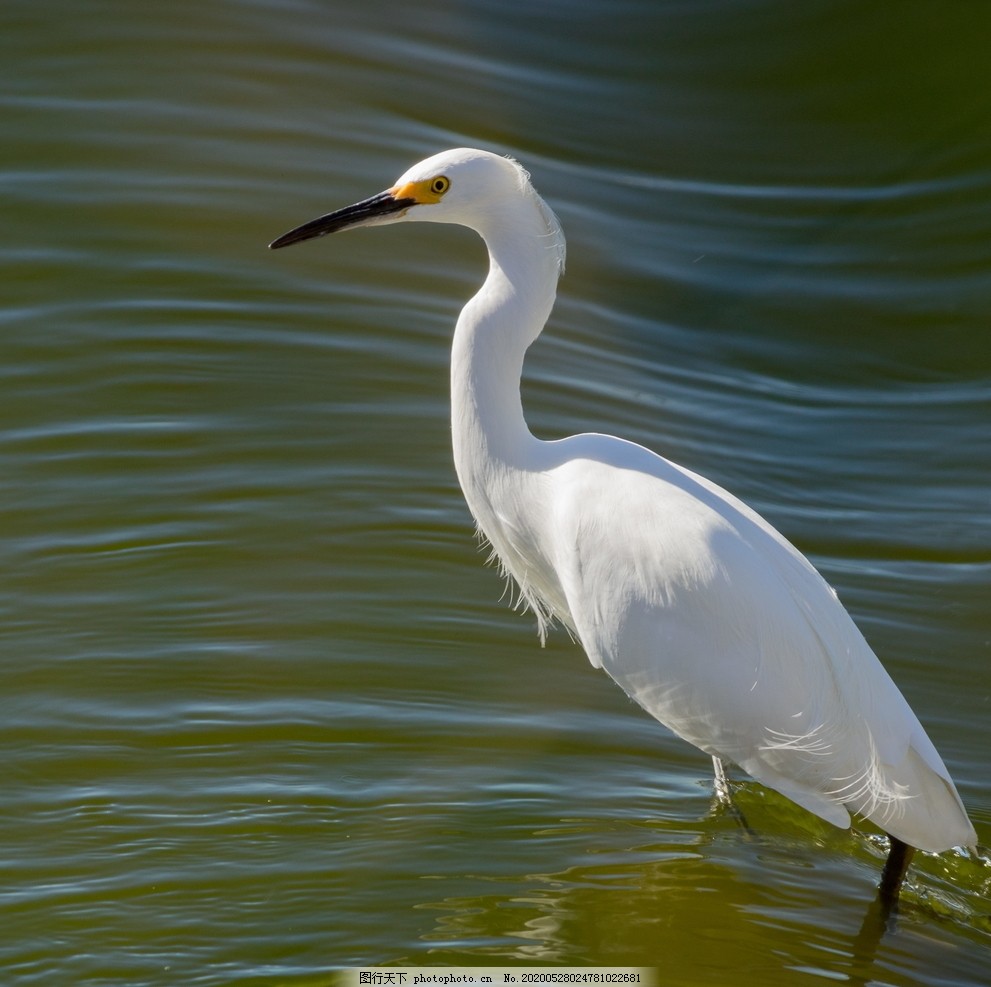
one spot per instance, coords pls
(264, 713)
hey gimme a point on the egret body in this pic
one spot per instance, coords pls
(691, 602)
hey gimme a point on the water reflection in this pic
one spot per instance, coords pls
(675, 901)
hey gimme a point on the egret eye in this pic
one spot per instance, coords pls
(440, 185)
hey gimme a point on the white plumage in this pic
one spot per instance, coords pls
(703, 613)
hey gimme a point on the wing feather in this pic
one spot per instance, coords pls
(722, 630)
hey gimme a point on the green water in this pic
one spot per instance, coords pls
(264, 714)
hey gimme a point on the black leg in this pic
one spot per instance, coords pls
(880, 917)
(899, 857)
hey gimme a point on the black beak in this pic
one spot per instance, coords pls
(379, 208)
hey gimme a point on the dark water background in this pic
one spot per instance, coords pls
(263, 714)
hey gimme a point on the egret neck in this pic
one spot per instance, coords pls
(493, 333)
(500, 463)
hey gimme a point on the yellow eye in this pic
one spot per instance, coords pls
(425, 192)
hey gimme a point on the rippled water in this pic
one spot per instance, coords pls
(263, 712)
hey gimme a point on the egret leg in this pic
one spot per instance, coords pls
(899, 857)
(880, 917)
(723, 798)
(721, 781)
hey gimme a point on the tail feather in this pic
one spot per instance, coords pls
(911, 800)
(916, 804)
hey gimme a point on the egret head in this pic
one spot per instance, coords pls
(460, 186)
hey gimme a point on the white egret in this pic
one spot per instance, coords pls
(697, 607)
